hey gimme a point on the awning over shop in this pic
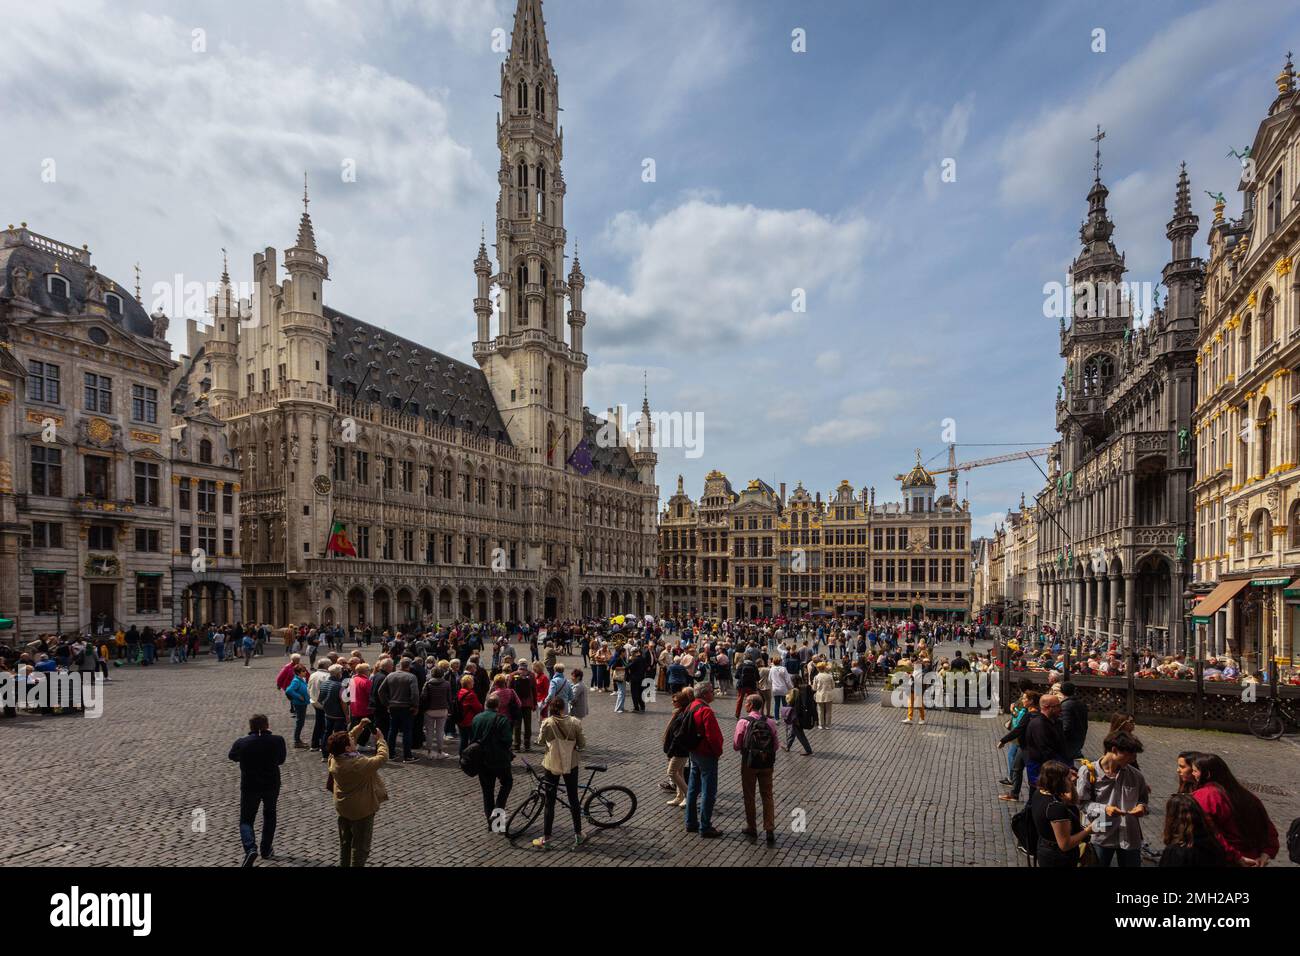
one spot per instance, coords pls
(1292, 590)
(1216, 599)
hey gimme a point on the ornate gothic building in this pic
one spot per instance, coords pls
(458, 486)
(1115, 521)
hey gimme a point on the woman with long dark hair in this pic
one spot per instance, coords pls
(1242, 825)
(1055, 813)
(1189, 838)
(1186, 770)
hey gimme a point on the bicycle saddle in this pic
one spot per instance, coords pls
(597, 767)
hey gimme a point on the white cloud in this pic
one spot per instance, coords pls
(704, 273)
(860, 416)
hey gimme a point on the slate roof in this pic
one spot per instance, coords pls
(439, 387)
(17, 254)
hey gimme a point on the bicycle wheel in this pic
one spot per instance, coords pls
(1266, 725)
(608, 807)
(524, 815)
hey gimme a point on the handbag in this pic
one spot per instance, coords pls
(559, 751)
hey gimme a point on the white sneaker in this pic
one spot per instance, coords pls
(922, 720)
(907, 720)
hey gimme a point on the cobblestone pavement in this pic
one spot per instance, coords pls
(126, 788)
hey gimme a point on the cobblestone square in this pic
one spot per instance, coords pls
(124, 789)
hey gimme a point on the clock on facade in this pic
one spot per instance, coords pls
(322, 484)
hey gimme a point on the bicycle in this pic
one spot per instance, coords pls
(1271, 724)
(603, 807)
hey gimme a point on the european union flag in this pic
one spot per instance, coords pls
(580, 458)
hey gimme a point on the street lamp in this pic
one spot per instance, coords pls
(58, 620)
(1189, 602)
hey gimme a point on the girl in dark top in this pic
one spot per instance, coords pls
(1189, 841)
(1056, 816)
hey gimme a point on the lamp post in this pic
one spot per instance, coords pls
(58, 619)
(1190, 645)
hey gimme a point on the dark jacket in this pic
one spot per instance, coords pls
(331, 699)
(399, 691)
(436, 695)
(259, 757)
(1043, 740)
(1074, 725)
(494, 732)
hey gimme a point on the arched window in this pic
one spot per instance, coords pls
(550, 386)
(521, 280)
(113, 303)
(1245, 344)
(521, 95)
(1097, 374)
(1266, 320)
(521, 188)
(57, 286)
(550, 443)
(205, 452)
(541, 98)
(1261, 530)
(1293, 525)
(541, 191)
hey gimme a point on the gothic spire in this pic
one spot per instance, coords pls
(306, 234)
(1183, 196)
(528, 41)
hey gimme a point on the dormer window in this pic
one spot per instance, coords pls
(113, 303)
(205, 452)
(57, 286)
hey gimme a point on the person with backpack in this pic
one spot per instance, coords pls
(756, 740)
(1114, 790)
(487, 755)
(800, 716)
(559, 686)
(674, 749)
(746, 683)
(701, 737)
(563, 738)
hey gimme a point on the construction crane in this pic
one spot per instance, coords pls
(953, 468)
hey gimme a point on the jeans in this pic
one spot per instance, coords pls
(318, 729)
(778, 701)
(400, 720)
(523, 730)
(299, 718)
(552, 787)
(464, 738)
(354, 840)
(487, 779)
(1123, 858)
(620, 691)
(1017, 772)
(1012, 752)
(150, 652)
(248, 804)
(701, 791)
(638, 704)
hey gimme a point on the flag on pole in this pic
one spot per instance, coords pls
(339, 543)
(580, 458)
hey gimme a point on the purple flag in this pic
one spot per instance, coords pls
(580, 458)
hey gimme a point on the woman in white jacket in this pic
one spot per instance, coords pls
(782, 684)
(823, 686)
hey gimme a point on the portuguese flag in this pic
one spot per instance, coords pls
(339, 543)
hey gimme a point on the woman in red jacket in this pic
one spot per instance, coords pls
(470, 707)
(1239, 818)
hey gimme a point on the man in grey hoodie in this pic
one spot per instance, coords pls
(400, 694)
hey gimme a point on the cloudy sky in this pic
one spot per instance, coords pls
(176, 129)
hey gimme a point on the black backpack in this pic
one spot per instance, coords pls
(758, 749)
(1024, 831)
(1293, 840)
(747, 676)
(685, 736)
(471, 759)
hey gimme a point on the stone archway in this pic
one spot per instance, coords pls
(554, 605)
(357, 608)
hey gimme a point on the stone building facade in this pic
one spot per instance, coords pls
(840, 553)
(1115, 522)
(1247, 427)
(452, 480)
(86, 531)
